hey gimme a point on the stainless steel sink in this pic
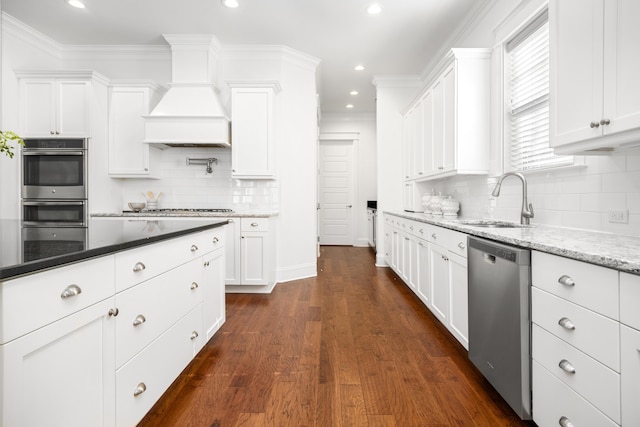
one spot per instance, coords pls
(488, 223)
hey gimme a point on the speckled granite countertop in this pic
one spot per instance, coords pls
(615, 251)
(186, 214)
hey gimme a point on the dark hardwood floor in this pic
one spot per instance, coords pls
(351, 347)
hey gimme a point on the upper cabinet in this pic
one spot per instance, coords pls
(129, 157)
(446, 129)
(595, 107)
(253, 129)
(55, 103)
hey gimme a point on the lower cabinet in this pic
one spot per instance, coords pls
(432, 261)
(63, 373)
(252, 247)
(213, 293)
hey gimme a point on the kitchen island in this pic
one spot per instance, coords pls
(108, 326)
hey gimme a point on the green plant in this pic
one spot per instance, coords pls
(7, 136)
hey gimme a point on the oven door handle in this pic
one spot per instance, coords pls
(53, 153)
(65, 203)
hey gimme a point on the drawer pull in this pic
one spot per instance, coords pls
(566, 366)
(461, 245)
(194, 248)
(254, 224)
(206, 263)
(411, 227)
(139, 320)
(140, 388)
(216, 240)
(194, 285)
(194, 335)
(566, 280)
(566, 323)
(113, 312)
(139, 267)
(434, 236)
(421, 231)
(71, 291)
(564, 422)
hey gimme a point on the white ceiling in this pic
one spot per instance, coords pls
(402, 40)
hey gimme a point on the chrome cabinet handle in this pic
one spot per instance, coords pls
(411, 227)
(216, 240)
(71, 291)
(139, 320)
(254, 224)
(605, 122)
(140, 388)
(194, 285)
(434, 236)
(594, 125)
(139, 267)
(566, 280)
(230, 220)
(461, 245)
(566, 366)
(194, 248)
(564, 422)
(421, 231)
(206, 263)
(566, 323)
(113, 312)
(194, 335)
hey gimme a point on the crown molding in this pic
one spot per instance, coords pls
(412, 81)
(16, 28)
(286, 54)
(117, 52)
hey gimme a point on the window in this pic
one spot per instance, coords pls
(527, 87)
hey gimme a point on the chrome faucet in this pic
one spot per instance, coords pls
(527, 208)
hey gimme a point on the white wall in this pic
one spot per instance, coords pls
(366, 181)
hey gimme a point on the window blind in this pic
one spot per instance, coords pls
(528, 109)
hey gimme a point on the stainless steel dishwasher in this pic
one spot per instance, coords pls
(499, 319)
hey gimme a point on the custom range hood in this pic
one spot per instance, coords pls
(190, 113)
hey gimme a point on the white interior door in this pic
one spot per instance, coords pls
(336, 192)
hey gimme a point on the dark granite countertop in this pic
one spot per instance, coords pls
(101, 238)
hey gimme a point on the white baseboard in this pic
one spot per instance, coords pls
(249, 289)
(296, 272)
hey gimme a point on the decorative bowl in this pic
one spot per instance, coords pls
(137, 206)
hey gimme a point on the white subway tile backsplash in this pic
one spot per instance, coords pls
(626, 182)
(602, 202)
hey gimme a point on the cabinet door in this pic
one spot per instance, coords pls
(253, 259)
(407, 145)
(128, 155)
(459, 307)
(630, 375)
(621, 66)
(439, 259)
(213, 292)
(62, 374)
(424, 273)
(37, 112)
(73, 110)
(576, 56)
(407, 257)
(449, 141)
(232, 249)
(418, 142)
(427, 133)
(253, 131)
(437, 152)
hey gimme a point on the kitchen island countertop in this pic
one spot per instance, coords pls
(185, 214)
(620, 252)
(102, 238)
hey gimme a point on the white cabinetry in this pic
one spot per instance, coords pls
(432, 261)
(575, 342)
(58, 347)
(253, 129)
(594, 68)
(446, 130)
(630, 348)
(55, 103)
(252, 247)
(129, 157)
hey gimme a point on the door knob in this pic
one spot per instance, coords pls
(349, 206)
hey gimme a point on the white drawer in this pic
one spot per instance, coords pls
(149, 309)
(156, 368)
(592, 380)
(630, 300)
(630, 374)
(553, 400)
(254, 224)
(209, 240)
(594, 287)
(30, 302)
(593, 333)
(137, 265)
(453, 241)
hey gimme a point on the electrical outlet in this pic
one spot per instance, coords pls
(621, 216)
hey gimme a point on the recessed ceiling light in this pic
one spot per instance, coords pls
(353, 92)
(76, 3)
(231, 3)
(358, 67)
(374, 9)
(349, 105)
